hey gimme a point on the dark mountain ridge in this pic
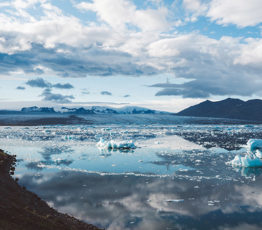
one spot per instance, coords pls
(229, 108)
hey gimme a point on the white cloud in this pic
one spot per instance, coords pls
(22, 4)
(216, 67)
(239, 12)
(119, 13)
(18, 32)
(195, 7)
(134, 41)
(251, 53)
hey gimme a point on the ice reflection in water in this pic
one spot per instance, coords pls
(167, 183)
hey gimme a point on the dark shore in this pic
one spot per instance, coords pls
(23, 210)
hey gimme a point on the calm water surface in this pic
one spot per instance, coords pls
(168, 182)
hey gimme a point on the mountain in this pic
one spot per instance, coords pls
(229, 108)
(110, 110)
(136, 110)
(76, 110)
(36, 109)
(83, 111)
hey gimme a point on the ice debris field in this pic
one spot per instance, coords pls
(153, 177)
(185, 151)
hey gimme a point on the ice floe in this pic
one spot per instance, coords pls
(253, 157)
(112, 144)
(173, 142)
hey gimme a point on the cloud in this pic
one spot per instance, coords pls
(85, 92)
(106, 93)
(20, 88)
(195, 8)
(187, 90)
(144, 197)
(241, 13)
(55, 97)
(63, 86)
(122, 38)
(67, 46)
(120, 14)
(74, 62)
(39, 83)
(210, 66)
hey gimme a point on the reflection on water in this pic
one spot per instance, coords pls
(166, 183)
(135, 202)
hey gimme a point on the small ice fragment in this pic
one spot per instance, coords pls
(196, 186)
(210, 203)
(183, 170)
(113, 165)
(175, 200)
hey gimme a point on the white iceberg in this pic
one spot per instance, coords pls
(253, 157)
(114, 145)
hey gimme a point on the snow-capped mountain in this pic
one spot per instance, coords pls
(110, 110)
(36, 109)
(87, 110)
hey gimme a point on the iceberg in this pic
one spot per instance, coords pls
(111, 145)
(254, 144)
(253, 157)
(246, 161)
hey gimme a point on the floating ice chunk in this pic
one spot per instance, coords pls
(246, 161)
(102, 144)
(253, 158)
(210, 203)
(254, 144)
(175, 200)
(236, 161)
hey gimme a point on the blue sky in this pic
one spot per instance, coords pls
(160, 54)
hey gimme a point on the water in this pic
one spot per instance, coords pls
(176, 178)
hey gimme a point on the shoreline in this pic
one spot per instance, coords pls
(117, 119)
(23, 210)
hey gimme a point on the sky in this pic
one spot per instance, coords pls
(160, 54)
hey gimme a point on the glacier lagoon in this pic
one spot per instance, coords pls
(176, 178)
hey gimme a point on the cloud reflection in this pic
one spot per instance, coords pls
(131, 202)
